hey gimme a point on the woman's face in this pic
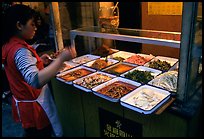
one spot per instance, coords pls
(27, 31)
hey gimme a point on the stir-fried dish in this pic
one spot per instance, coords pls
(75, 74)
(93, 81)
(117, 89)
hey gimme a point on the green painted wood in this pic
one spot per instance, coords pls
(163, 125)
(91, 104)
(68, 103)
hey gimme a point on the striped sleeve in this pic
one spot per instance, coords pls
(26, 64)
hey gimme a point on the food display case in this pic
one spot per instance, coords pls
(79, 112)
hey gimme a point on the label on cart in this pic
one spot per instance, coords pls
(112, 125)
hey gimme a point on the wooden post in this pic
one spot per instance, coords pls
(55, 16)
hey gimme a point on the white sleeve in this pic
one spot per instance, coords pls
(26, 64)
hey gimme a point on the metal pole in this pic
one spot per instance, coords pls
(185, 48)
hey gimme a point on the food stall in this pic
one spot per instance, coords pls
(114, 93)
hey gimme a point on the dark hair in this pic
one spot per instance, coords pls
(12, 15)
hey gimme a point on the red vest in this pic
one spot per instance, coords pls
(32, 114)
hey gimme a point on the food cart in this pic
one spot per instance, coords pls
(85, 111)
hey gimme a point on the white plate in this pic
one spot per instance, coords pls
(122, 54)
(110, 62)
(158, 97)
(95, 89)
(71, 70)
(154, 72)
(75, 82)
(85, 58)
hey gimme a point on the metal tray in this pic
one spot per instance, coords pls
(125, 63)
(168, 87)
(69, 65)
(154, 72)
(175, 66)
(136, 101)
(110, 62)
(71, 70)
(85, 58)
(122, 54)
(95, 89)
(170, 60)
(149, 57)
(77, 81)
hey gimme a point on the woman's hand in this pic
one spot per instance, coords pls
(46, 59)
(50, 71)
(67, 53)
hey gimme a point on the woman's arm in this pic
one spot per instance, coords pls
(26, 64)
(51, 70)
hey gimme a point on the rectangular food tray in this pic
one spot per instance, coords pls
(122, 54)
(110, 62)
(154, 72)
(90, 89)
(170, 60)
(73, 69)
(95, 89)
(112, 66)
(85, 58)
(69, 63)
(128, 102)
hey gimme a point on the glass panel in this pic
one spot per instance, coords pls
(138, 32)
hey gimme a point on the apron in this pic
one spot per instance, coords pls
(46, 101)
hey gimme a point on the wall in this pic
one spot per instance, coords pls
(163, 23)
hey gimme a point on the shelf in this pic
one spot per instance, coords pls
(164, 38)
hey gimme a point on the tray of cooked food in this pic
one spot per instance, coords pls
(85, 58)
(115, 88)
(175, 67)
(67, 65)
(141, 74)
(166, 80)
(121, 55)
(162, 63)
(90, 81)
(101, 63)
(145, 99)
(139, 59)
(74, 73)
(119, 68)
(104, 51)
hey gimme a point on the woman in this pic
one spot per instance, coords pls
(32, 103)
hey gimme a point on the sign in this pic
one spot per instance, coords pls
(165, 8)
(112, 125)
